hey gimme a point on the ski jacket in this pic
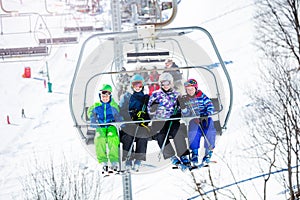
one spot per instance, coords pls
(104, 112)
(199, 105)
(154, 76)
(131, 104)
(162, 104)
(154, 85)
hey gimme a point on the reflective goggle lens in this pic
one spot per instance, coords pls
(105, 93)
(165, 83)
(138, 84)
(190, 83)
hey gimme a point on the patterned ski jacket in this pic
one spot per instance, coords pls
(199, 105)
(104, 112)
(162, 104)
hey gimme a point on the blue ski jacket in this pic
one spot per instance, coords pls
(104, 112)
(198, 105)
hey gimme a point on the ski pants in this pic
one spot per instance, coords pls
(138, 134)
(171, 129)
(197, 130)
(107, 135)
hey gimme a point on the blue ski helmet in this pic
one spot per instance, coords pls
(137, 78)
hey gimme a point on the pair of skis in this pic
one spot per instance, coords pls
(107, 171)
(193, 167)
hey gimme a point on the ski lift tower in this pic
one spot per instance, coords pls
(116, 27)
(118, 57)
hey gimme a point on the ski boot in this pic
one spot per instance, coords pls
(104, 167)
(175, 161)
(186, 164)
(128, 164)
(114, 166)
(194, 158)
(206, 158)
(137, 165)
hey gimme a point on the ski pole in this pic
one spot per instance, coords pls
(131, 146)
(166, 137)
(136, 130)
(201, 129)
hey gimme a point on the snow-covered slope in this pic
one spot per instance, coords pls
(48, 128)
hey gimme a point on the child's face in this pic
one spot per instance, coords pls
(166, 85)
(105, 96)
(137, 86)
(191, 90)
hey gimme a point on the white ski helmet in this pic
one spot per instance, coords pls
(166, 77)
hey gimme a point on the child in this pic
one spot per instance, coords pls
(163, 104)
(102, 112)
(134, 107)
(196, 103)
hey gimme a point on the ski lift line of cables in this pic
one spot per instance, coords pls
(242, 181)
(235, 10)
(228, 12)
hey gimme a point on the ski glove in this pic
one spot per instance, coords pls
(182, 102)
(140, 116)
(153, 108)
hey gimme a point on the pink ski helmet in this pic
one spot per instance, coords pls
(191, 83)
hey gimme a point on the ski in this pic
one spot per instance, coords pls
(182, 167)
(205, 164)
(107, 171)
(192, 167)
(111, 172)
(142, 167)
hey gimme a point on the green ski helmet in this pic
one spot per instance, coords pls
(106, 87)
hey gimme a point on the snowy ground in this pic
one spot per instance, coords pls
(48, 127)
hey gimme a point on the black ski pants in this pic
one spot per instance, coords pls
(170, 129)
(139, 135)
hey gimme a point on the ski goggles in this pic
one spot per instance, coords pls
(190, 83)
(138, 84)
(165, 83)
(105, 93)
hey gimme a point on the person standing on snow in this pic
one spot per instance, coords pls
(23, 113)
(163, 104)
(133, 107)
(196, 103)
(104, 112)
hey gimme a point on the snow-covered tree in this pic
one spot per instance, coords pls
(275, 113)
(52, 179)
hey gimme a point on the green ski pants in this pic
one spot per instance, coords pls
(110, 137)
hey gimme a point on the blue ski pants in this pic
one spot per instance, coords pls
(197, 130)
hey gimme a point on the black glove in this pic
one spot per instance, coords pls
(182, 102)
(141, 115)
(133, 114)
(153, 108)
